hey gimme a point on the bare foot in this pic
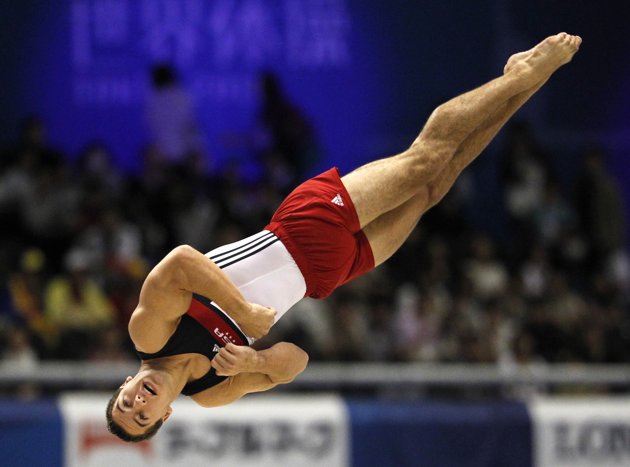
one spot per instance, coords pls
(540, 62)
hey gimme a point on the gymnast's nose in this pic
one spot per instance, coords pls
(140, 399)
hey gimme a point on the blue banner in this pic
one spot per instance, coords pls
(30, 434)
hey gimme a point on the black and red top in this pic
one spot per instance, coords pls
(203, 330)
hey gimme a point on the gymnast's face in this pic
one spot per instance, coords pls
(140, 404)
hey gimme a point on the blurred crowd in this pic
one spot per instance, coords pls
(78, 237)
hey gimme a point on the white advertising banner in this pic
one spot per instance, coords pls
(581, 432)
(259, 430)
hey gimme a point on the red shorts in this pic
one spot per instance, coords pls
(319, 226)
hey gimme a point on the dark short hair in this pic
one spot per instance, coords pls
(115, 429)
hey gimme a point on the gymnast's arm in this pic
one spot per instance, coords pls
(252, 371)
(167, 292)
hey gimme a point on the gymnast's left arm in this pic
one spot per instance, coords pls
(250, 371)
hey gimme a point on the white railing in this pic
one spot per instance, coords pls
(421, 374)
(358, 375)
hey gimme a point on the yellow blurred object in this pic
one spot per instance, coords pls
(33, 260)
(138, 268)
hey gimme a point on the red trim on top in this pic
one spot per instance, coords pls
(216, 326)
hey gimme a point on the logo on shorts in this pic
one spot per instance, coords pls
(338, 200)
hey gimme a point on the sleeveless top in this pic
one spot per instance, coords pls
(261, 267)
(204, 329)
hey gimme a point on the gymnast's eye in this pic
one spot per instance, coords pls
(125, 403)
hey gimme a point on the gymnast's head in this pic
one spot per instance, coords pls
(138, 408)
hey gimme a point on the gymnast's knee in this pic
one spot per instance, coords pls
(428, 157)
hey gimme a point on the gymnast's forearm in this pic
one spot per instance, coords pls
(282, 362)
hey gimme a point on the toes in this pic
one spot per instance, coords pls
(575, 42)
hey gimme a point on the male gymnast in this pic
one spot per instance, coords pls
(198, 314)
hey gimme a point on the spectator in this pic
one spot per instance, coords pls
(487, 274)
(111, 347)
(111, 244)
(18, 354)
(553, 217)
(171, 118)
(535, 273)
(600, 210)
(381, 334)
(350, 329)
(96, 170)
(26, 288)
(499, 330)
(282, 140)
(291, 135)
(417, 326)
(525, 173)
(50, 211)
(77, 307)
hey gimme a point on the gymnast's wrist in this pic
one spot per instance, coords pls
(240, 310)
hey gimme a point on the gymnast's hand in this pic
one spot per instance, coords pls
(234, 359)
(258, 321)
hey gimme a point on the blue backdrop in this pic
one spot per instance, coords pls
(367, 72)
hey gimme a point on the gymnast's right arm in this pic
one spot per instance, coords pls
(167, 292)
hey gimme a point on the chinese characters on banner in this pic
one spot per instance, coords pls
(264, 431)
(221, 43)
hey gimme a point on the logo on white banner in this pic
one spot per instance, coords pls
(263, 431)
(581, 432)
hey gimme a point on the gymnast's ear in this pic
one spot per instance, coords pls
(168, 413)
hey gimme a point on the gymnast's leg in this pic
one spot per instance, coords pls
(384, 185)
(388, 231)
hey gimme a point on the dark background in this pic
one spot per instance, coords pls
(402, 58)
